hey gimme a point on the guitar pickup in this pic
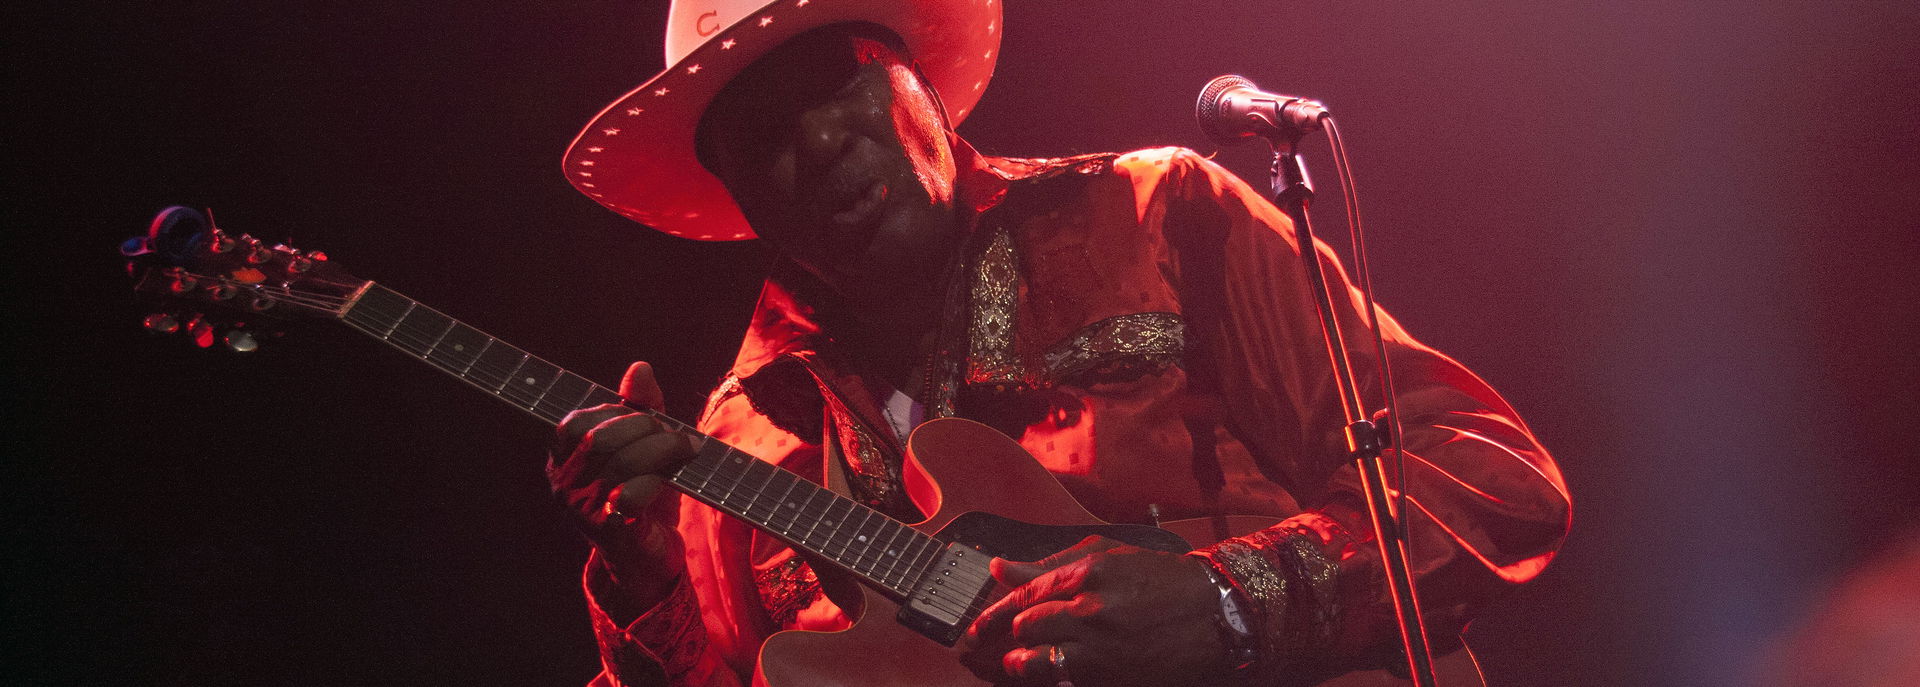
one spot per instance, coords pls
(949, 594)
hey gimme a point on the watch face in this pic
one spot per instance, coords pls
(1231, 613)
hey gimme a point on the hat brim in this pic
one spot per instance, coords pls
(637, 156)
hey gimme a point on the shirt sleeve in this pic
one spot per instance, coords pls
(667, 644)
(705, 633)
(1488, 506)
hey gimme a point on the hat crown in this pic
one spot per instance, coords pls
(691, 23)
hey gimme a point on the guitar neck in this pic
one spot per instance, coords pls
(882, 552)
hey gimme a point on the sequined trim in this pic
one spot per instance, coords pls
(1255, 576)
(786, 589)
(1314, 572)
(728, 388)
(1158, 337)
(873, 472)
(1291, 582)
(996, 301)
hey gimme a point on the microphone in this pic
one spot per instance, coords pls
(1232, 109)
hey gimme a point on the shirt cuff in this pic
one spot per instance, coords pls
(668, 638)
(1288, 573)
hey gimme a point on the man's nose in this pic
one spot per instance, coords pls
(824, 132)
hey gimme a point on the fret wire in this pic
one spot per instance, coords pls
(864, 517)
(756, 497)
(793, 481)
(552, 407)
(813, 522)
(451, 323)
(459, 348)
(512, 390)
(907, 570)
(868, 555)
(476, 357)
(556, 409)
(923, 558)
(407, 333)
(885, 532)
(737, 477)
(711, 470)
(403, 316)
(838, 522)
(773, 505)
(894, 550)
(582, 402)
(508, 381)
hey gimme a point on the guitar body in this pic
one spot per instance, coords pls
(992, 495)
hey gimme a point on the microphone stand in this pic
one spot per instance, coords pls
(1293, 192)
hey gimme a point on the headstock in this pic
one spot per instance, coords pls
(214, 285)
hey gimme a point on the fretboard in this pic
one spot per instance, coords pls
(808, 517)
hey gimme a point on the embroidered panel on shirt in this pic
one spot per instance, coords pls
(1155, 339)
(996, 300)
(786, 589)
(873, 472)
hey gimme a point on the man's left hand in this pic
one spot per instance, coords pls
(1119, 615)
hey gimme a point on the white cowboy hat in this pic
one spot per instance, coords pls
(636, 157)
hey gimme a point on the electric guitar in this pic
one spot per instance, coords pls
(932, 576)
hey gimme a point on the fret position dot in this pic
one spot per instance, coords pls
(528, 380)
(459, 347)
(861, 537)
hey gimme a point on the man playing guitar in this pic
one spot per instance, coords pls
(1139, 323)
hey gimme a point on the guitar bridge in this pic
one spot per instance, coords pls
(949, 594)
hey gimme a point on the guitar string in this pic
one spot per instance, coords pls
(866, 554)
(865, 557)
(865, 548)
(862, 557)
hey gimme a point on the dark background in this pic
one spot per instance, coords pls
(1679, 237)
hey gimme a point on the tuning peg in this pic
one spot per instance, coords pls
(182, 284)
(161, 323)
(241, 341)
(299, 264)
(201, 331)
(220, 292)
(318, 256)
(257, 252)
(260, 303)
(220, 243)
(135, 247)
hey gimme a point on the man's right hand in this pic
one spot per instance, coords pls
(609, 466)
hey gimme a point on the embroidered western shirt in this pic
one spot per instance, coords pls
(1142, 325)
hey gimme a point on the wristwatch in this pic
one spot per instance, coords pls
(1236, 627)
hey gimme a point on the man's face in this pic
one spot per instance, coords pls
(839, 156)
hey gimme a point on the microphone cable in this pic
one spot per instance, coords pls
(1343, 171)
